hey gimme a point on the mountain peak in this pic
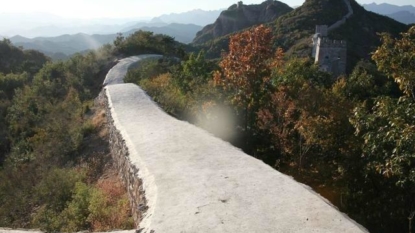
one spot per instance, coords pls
(404, 14)
(240, 16)
(387, 9)
(197, 16)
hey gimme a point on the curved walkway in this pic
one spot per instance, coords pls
(194, 182)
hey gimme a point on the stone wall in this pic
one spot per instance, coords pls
(183, 179)
(331, 55)
(127, 171)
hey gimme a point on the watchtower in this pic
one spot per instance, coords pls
(240, 4)
(331, 55)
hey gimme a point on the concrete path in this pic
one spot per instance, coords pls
(118, 72)
(9, 230)
(195, 182)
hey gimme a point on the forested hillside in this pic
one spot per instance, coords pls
(350, 137)
(55, 168)
(50, 175)
(294, 29)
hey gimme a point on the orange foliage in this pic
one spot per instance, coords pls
(247, 67)
(112, 209)
(112, 188)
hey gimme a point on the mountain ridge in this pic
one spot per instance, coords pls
(404, 14)
(405, 17)
(33, 25)
(386, 8)
(196, 16)
(240, 16)
(65, 45)
(294, 30)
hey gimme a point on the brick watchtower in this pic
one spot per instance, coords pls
(331, 55)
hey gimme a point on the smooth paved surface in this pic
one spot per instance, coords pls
(118, 72)
(9, 230)
(195, 182)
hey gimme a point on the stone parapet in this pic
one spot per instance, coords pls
(327, 43)
(186, 180)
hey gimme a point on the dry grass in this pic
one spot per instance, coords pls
(99, 121)
(114, 210)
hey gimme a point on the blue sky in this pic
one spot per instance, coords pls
(136, 8)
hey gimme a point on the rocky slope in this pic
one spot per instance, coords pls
(240, 16)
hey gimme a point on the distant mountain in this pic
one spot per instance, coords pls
(33, 25)
(387, 9)
(405, 17)
(66, 45)
(139, 25)
(240, 16)
(181, 32)
(53, 30)
(43, 24)
(198, 17)
(403, 14)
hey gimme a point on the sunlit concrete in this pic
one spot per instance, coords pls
(195, 182)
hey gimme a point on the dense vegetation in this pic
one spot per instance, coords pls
(49, 174)
(350, 137)
(53, 147)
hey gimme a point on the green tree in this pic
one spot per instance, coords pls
(386, 128)
(396, 57)
(194, 72)
(75, 215)
(16, 60)
(143, 42)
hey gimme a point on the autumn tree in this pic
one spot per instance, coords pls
(305, 117)
(246, 69)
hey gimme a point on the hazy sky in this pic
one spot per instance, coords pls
(135, 8)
